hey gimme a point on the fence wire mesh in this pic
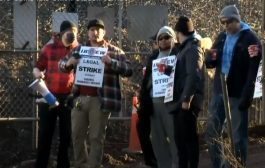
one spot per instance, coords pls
(15, 76)
(16, 67)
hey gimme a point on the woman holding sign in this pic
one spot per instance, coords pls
(60, 86)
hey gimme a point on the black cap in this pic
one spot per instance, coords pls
(184, 25)
(67, 25)
(96, 23)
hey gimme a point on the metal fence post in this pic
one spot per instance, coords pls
(35, 124)
(262, 120)
(120, 23)
(263, 64)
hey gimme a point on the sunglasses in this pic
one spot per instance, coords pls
(228, 21)
(164, 37)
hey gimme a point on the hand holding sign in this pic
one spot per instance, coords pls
(161, 66)
(72, 62)
(106, 59)
(159, 79)
(90, 68)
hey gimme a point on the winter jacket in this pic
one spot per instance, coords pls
(189, 76)
(243, 69)
(145, 99)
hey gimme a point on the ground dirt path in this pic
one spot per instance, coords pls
(115, 157)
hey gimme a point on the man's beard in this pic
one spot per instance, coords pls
(96, 39)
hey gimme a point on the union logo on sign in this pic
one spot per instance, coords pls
(91, 51)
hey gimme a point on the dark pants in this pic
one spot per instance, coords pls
(185, 125)
(48, 118)
(144, 130)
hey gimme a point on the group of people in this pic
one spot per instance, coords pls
(167, 129)
(91, 107)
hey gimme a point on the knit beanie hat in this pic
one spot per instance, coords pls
(166, 30)
(67, 25)
(230, 11)
(184, 25)
(95, 22)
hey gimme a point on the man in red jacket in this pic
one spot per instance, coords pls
(60, 85)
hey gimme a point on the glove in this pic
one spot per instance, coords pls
(244, 103)
(76, 54)
(69, 101)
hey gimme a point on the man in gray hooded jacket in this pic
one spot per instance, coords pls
(161, 121)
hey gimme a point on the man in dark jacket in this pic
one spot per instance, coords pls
(143, 126)
(187, 93)
(230, 56)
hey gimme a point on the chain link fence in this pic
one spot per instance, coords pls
(16, 67)
(15, 75)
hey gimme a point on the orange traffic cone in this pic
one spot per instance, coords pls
(134, 144)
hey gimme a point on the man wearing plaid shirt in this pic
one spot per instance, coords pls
(60, 85)
(93, 105)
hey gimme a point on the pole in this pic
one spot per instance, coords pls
(120, 23)
(227, 111)
(262, 121)
(7, 119)
(263, 64)
(263, 16)
(35, 124)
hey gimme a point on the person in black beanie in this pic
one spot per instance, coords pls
(68, 37)
(60, 85)
(187, 93)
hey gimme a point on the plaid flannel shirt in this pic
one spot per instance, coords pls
(50, 55)
(110, 93)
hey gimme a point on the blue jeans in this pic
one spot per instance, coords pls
(215, 125)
